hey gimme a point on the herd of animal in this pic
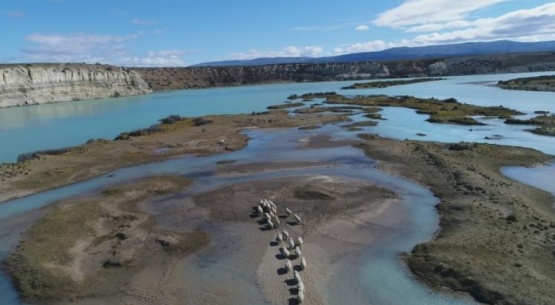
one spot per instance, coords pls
(292, 249)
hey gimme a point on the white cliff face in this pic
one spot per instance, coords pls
(39, 84)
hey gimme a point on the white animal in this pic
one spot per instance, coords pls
(285, 252)
(270, 224)
(297, 218)
(260, 210)
(298, 251)
(300, 286)
(297, 276)
(303, 263)
(285, 234)
(288, 265)
(277, 222)
(288, 211)
(291, 244)
(267, 216)
(300, 296)
(299, 241)
(279, 238)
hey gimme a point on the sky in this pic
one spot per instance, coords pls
(188, 32)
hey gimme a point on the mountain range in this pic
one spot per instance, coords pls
(401, 53)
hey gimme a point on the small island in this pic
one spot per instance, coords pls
(447, 111)
(538, 83)
(389, 83)
(545, 124)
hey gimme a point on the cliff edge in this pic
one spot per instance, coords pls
(33, 84)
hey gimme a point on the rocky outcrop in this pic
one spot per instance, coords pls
(48, 83)
(202, 77)
(212, 76)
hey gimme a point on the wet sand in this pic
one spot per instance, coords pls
(493, 229)
(242, 263)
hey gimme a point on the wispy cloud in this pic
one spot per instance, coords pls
(76, 47)
(290, 51)
(418, 12)
(159, 31)
(15, 14)
(138, 21)
(369, 46)
(93, 48)
(535, 24)
(166, 58)
(362, 28)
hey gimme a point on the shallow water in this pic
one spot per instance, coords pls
(382, 278)
(31, 128)
(540, 176)
(277, 146)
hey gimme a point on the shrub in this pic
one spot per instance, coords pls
(201, 121)
(170, 119)
(33, 155)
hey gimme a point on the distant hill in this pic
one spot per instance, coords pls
(436, 51)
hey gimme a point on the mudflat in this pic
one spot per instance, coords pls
(497, 237)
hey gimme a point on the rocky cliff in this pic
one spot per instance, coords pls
(202, 77)
(49, 83)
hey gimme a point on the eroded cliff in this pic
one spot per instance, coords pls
(48, 83)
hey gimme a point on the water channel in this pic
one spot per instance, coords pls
(383, 278)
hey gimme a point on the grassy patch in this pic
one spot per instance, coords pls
(448, 111)
(384, 84)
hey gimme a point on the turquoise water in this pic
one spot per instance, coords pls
(277, 146)
(384, 280)
(31, 128)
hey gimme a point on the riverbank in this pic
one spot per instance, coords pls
(140, 243)
(497, 236)
(493, 229)
(197, 136)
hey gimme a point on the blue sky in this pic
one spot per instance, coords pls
(185, 32)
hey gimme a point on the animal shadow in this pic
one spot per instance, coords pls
(293, 301)
(281, 271)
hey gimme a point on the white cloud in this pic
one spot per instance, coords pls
(290, 51)
(164, 58)
(362, 28)
(535, 24)
(138, 21)
(72, 44)
(417, 12)
(15, 14)
(93, 48)
(522, 25)
(159, 31)
(369, 46)
(434, 27)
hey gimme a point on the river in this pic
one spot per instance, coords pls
(32, 128)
